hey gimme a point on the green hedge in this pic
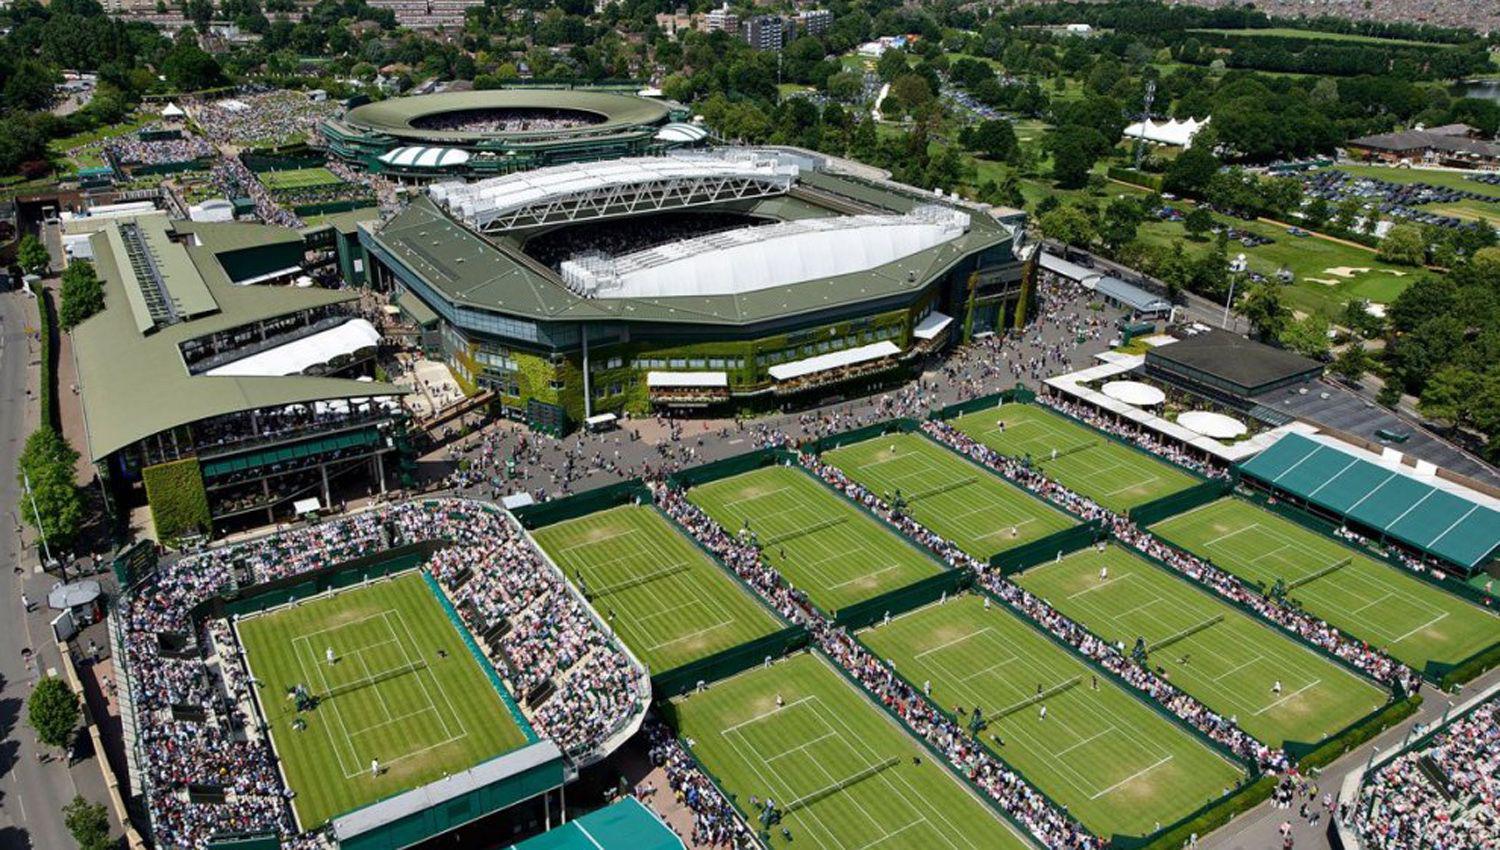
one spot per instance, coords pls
(1139, 178)
(1467, 669)
(48, 334)
(1361, 732)
(1212, 817)
(179, 504)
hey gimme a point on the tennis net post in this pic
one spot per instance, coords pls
(1036, 698)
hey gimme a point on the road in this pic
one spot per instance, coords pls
(29, 818)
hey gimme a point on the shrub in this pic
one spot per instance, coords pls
(179, 504)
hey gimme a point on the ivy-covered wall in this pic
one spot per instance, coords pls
(179, 504)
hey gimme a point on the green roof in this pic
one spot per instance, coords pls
(1428, 514)
(626, 825)
(134, 385)
(394, 117)
(471, 270)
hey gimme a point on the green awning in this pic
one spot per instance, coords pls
(283, 454)
(417, 309)
(626, 825)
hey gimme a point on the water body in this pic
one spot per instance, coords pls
(1486, 90)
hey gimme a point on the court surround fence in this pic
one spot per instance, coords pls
(1044, 549)
(903, 599)
(683, 678)
(859, 435)
(1172, 504)
(1018, 395)
(533, 517)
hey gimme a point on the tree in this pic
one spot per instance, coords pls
(995, 139)
(1190, 172)
(1067, 224)
(88, 823)
(52, 710)
(47, 462)
(1263, 308)
(1404, 246)
(1448, 396)
(1117, 227)
(1307, 336)
(82, 294)
(32, 255)
(1352, 363)
(1074, 152)
(1197, 222)
(188, 68)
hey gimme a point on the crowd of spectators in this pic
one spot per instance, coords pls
(617, 237)
(1444, 795)
(715, 822)
(492, 121)
(259, 120)
(231, 177)
(133, 150)
(210, 768)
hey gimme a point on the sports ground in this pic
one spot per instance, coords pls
(1227, 659)
(1116, 476)
(298, 178)
(1413, 621)
(660, 592)
(1118, 765)
(824, 545)
(842, 773)
(403, 690)
(957, 499)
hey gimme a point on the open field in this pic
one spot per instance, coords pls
(1399, 613)
(824, 545)
(1214, 651)
(840, 771)
(1310, 35)
(298, 178)
(665, 597)
(1118, 765)
(403, 690)
(1115, 476)
(963, 502)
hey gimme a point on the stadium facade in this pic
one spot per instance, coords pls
(486, 133)
(733, 280)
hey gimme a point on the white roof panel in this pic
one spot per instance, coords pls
(295, 357)
(833, 360)
(687, 379)
(931, 325)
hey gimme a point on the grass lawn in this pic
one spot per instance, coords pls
(667, 599)
(823, 544)
(403, 689)
(1226, 658)
(841, 771)
(1309, 35)
(1115, 476)
(1118, 765)
(298, 178)
(1396, 612)
(960, 500)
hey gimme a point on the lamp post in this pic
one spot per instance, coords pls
(40, 530)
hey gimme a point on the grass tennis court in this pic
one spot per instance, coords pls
(822, 544)
(1115, 476)
(298, 178)
(1118, 765)
(959, 500)
(841, 771)
(669, 602)
(403, 689)
(1413, 621)
(1224, 657)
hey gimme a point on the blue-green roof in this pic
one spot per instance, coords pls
(627, 825)
(1438, 520)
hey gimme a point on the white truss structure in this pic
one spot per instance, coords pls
(594, 190)
(753, 258)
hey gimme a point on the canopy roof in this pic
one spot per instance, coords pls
(687, 379)
(417, 156)
(1134, 392)
(626, 825)
(1220, 426)
(394, 116)
(755, 258)
(931, 325)
(682, 133)
(297, 357)
(1434, 515)
(833, 360)
(1171, 132)
(1131, 296)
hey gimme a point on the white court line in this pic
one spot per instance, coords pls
(732, 502)
(864, 577)
(1237, 668)
(1376, 601)
(1421, 627)
(1015, 525)
(1101, 733)
(1221, 538)
(799, 748)
(889, 835)
(595, 542)
(990, 669)
(926, 652)
(1267, 708)
(1101, 584)
(1132, 777)
(763, 715)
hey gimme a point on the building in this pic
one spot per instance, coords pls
(1452, 145)
(215, 397)
(724, 20)
(484, 133)
(815, 22)
(768, 32)
(734, 280)
(1219, 364)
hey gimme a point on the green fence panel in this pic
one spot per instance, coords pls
(1019, 394)
(1048, 548)
(728, 467)
(721, 665)
(261, 163)
(544, 514)
(902, 599)
(330, 207)
(135, 562)
(1172, 504)
(248, 600)
(859, 435)
(1206, 819)
(263, 841)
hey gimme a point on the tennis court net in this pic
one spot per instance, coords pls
(1185, 633)
(1036, 698)
(637, 581)
(1311, 577)
(372, 681)
(829, 790)
(805, 530)
(942, 488)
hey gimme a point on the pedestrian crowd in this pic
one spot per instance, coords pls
(1443, 794)
(260, 120)
(715, 822)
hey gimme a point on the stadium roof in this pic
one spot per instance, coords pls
(626, 825)
(750, 259)
(394, 117)
(471, 271)
(134, 385)
(834, 360)
(420, 156)
(1434, 515)
(1238, 364)
(682, 133)
(482, 202)
(1131, 296)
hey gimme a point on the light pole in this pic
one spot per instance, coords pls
(46, 550)
(1233, 278)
